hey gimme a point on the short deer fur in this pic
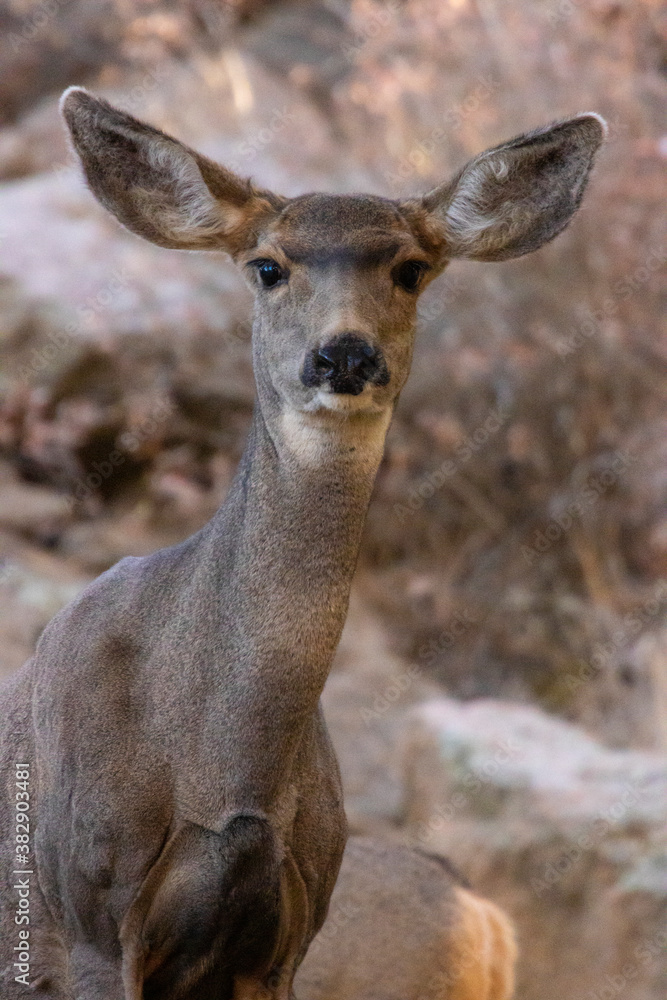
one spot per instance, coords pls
(403, 925)
(187, 808)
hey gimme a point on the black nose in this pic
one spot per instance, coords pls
(346, 363)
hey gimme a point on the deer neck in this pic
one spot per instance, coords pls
(288, 537)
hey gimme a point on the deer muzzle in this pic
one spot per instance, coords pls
(346, 363)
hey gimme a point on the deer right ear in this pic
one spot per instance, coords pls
(515, 197)
(158, 187)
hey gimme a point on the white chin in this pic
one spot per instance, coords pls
(344, 402)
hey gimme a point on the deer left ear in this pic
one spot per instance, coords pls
(160, 188)
(515, 197)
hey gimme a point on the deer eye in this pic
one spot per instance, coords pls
(409, 273)
(269, 272)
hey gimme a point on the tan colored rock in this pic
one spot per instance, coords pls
(365, 701)
(28, 601)
(567, 835)
(59, 246)
(32, 509)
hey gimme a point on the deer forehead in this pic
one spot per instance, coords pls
(337, 214)
(358, 230)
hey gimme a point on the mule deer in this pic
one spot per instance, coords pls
(403, 925)
(187, 808)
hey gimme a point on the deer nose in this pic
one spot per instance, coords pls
(346, 363)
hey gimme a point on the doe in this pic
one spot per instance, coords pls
(186, 805)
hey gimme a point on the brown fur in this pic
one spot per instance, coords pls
(401, 927)
(186, 804)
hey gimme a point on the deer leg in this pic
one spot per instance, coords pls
(96, 977)
(210, 906)
(278, 986)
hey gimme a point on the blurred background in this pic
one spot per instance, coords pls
(501, 689)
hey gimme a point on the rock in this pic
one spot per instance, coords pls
(640, 673)
(29, 598)
(34, 510)
(567, 835)
(365, 702)
(60, 246)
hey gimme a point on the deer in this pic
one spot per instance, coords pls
(404, 924)
(187, 820)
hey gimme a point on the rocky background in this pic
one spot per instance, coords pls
(501, 689)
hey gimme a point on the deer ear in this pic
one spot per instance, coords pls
(514, 198)
(159, 188)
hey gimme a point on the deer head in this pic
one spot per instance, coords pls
(336, 278)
